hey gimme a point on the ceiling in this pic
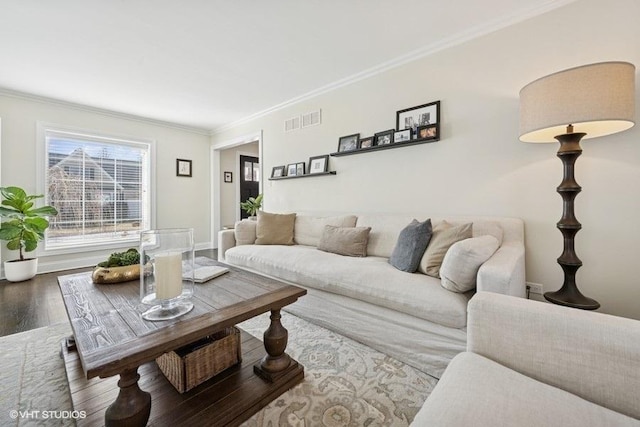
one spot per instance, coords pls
(207, 64)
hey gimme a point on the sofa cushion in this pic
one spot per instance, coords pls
(411, 244)
(245, 232)
(484, 228)
(275, 229)
(463, 260)
(309, 228)
(370, 279)
(384, 231)
(476, 391)
(444, 235)
(349, 241)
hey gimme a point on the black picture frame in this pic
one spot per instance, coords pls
(300, 168)
(427, 132)
(366, 142)
(421, 115)
(228, 177)
(184, 168)
(277, 172)
(348, 142)
(318, 164)
(292, 169)
(384, 137)
(401, 136)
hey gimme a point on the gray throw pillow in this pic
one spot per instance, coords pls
(411, 244)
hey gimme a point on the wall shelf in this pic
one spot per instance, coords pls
(306, 175)
(384, 147)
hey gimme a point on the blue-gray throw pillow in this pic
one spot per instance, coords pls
(411, 244)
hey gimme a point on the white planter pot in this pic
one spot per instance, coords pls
(18, 271)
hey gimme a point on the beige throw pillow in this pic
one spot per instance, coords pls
(444, 235)
(463, 260)
(245, 232)
(275, 229)
(349, 241)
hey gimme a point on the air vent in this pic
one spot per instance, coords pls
(292, 124)
(311, 119)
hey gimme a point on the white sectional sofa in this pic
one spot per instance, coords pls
(534, 364)
(407, 315)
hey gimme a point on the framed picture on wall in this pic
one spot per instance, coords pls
(277, 172)
(402, 135)
(384, 138)
(228, 177)
(292, 169)
(348, 143)
(318, 164)
(300, 168)
(427, 132)
(366, 142)
(422, 115)
(183, 167)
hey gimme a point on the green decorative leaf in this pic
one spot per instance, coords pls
(14, 245)
(9, 232)
(44, 210)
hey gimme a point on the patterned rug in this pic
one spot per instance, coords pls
(346, 383)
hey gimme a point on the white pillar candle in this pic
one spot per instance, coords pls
(168, 275)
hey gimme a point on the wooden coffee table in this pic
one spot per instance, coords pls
(112, 339)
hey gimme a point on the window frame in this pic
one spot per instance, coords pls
(101, 137)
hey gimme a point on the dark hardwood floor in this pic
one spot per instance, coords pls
(37, 302)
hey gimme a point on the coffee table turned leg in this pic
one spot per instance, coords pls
(276, 361)
(132, 406)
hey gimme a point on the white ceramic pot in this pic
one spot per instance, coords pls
(18, 271)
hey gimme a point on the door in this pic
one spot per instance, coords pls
(249, 180)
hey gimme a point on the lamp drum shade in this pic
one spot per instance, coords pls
(597, 99)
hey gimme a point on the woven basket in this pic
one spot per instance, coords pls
(195, 363)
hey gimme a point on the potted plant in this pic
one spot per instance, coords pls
(22, 228)
(252, 205)
(120, 267)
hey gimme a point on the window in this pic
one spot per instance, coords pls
(100, 187)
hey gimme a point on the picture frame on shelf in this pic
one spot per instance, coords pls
(421, 115)
(183, 168)
(366, 142)
(300, 168)
(228, 177)
(384, 138)
(277, 172)
(292, 169)
(348, 142)
(318, 164)
(403, 135)
(427, 132)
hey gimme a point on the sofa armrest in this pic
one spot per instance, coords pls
(504, 272)
(226, 240)
(593, 355)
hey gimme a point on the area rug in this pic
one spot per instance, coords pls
(346, 383)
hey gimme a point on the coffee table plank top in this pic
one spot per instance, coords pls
(112, 336)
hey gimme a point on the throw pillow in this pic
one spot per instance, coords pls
(275, 229)
(444, 235)
(463, 260)
(411, 244)
(309, 228)
(349, 241)
(245, 232)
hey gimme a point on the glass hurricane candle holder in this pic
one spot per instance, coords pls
(166, 279)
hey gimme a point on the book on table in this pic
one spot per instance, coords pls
(208, 272)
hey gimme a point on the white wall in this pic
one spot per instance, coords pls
(479, 166)
(229, 161)
(180, 201)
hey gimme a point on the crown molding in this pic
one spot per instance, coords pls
(457, 39)
(46, 100)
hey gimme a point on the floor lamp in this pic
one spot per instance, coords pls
(580, 103)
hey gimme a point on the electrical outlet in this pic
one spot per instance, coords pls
(535, 288)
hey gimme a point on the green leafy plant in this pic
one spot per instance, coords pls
(252, 205)
(24, 225)
(120, 259)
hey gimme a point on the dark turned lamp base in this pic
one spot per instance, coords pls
(569, 295)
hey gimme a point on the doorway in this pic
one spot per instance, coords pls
(249, 180)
